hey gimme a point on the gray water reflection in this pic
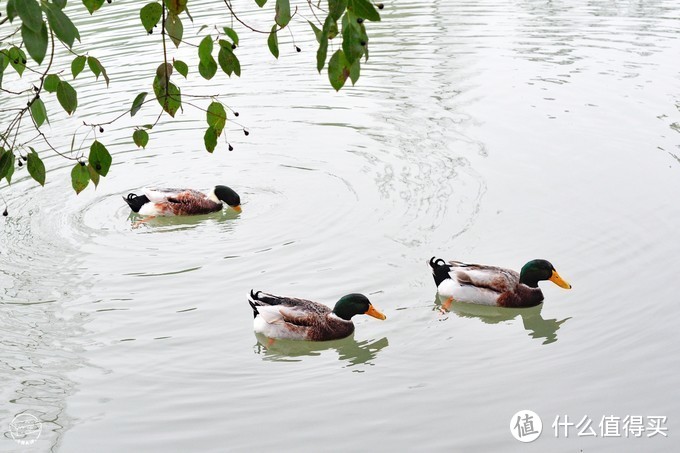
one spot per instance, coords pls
(533, 321)
(348, 349)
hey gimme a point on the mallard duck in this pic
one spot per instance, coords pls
(279, 317)
(490, 285)
(168, 202)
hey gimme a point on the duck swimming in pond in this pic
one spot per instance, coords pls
(175, 202)
(279, 317)
(490, 285)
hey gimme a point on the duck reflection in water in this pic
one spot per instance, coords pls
(533, 321)
(350, 350)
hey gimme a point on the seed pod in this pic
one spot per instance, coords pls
(360, 20)
(380, 6)
(231, 148)
(246, 132)
(82, 164)
(235, 113)
(298, 49)
(5, 213)
(101, 129)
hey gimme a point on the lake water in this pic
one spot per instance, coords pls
(484, 131)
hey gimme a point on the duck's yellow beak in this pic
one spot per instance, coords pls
(556, 279)
(237, 208)
(375, 313)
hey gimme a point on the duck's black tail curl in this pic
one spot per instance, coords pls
(136, 201)
(253, 297)
(440, 270)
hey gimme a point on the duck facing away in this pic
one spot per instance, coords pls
(171, 202)
(490, 285)
(288, 318)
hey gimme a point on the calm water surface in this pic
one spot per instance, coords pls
(486, 131)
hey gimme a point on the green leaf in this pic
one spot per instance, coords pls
(92, 5)
(99, 158)
(338, 70)
(260, 3)
(77, 65)
(36, 42)
(60, 3)
(282, 12)
(207, 65)
(80, 177)
(354, 71)
(351, 40)
(316, 31)
(150, 15)
(171, 100)
(336, 8)
(30, 14)
(228, 61)
(3, 64)
(51, 83)
(174, 28)
(97, 68)
(61, 24)
(176, 6)
(17, 58)
(38, 112)
(140, 137)
(322, 53)
(11, 10)
(36, 168)
(273, 42)
(137, 103)
(363, 9)
(210, 139)
(67, 97)
(181, 67)
(94, 176)
(232, 34)
(216, 117)
(6, 163)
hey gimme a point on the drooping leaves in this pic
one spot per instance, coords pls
(77, 65)
(92, 5)
(282, 12)
(363, 9)
(316, 30)
(7, 161)
(181, 67)
(338, 70)
(216, 117)
(137, 103)
(36, 167)
(176, 6)
(352, 43)
(97, 68)
(273, 42)
(207, 66)
(228, 61)
(61, 24)
(174, 28)
(150, 14)
(17, 58)
(322, 52)
(35, 41)
(94, 176)
(38, 112)
(232, 34)
(260, 3)
(354, 71)
(336, 8)
(170, 97)
(210, 139)
(51, 83)
(80, 177)
(67, 97)
(140, 137)
(30, 14)
(99, 158)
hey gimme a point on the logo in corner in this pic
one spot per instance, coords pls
(25, 429)
(526, 426)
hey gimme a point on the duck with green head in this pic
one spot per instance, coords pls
(289, 318)
(490, 285)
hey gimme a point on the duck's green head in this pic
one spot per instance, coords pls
(536, 270)
(228, 196)
(355, 304)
